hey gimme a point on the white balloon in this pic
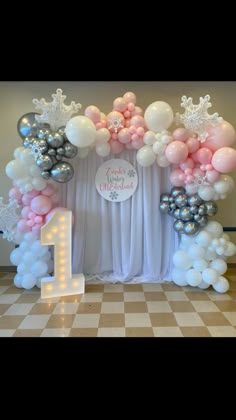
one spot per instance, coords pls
(210, 276)
(39, 268)
(203, 285)
(200, 264)
(193, 277)
(34, 170)
(28, 281)
(149, 138)
(203, 238)
(162, 161)
(38, 249)
(29, 258)
(102, 136)
(17, 152)
(39, 183)
(26, 156)
(215, 228)
(230, 249)
(145, 156)
(16, 169)
(196, 252)
(16, 256)
(30, 237)
(222, 285)
(191, 188)
(182, 260)
(22, 269)
(158, 147)
(18, 281)
(103, 149)
(158, 116)
(206, 193)
(219, 265)
(80, 131)
(38, 282)
(179, 277)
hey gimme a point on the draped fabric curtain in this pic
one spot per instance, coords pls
(129, 241)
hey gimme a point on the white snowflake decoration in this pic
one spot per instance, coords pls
(55, 113)
(8, 218)
(200, 181)
(35, 151)
(115, 124)
(196, 118)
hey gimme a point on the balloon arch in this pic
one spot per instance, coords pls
(199, 153)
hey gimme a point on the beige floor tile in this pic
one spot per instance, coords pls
(111, 332)
(83, 332)
(6, 281)
(94, 288)
(9, 322)
(43, 308)
(134, 297)
(178, 306)
(111, 320)
(133, 287)
(152, 287)
(113, 297)
(231, 316)
(72, 298)
(4, 307)
(137, 320)
(135, 307)
(167, 332)
(86, 321)
(89, 308)
(188, 319)
(34, 322)
(226, 306)
(170, 287)
(197, 296)
(139, 332)
(232, 294)
(91, 297)
(27, 298)
(19, 309)
(3, 289)
(66, 308)
(214, 318)
(215, 296)
(222, 331)
(176, 296)
(27, 333)
(54, 300)
(155, 296)
(34, 290)
(163, 320)
(12, 290)
(60, 321)
(112, 307)
(113, 288)
(161, 306)
(195, 332)
(205, 306)
(55, 332)
(5, 298)
(7, 333)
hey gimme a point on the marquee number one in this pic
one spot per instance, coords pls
(57, 232)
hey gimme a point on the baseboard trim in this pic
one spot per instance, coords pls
(7, 269)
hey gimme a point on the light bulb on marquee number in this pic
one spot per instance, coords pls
(57, 232)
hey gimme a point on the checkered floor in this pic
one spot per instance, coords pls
(118, 310)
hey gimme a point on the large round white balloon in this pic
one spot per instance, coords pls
(80, 131)
(158, 116)
(145, 156)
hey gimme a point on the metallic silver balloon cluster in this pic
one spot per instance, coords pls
(48, 147)
(190, 211)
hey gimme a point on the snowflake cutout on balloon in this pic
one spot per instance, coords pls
(131, 173)
(8, 218)
(200, 181)
(55, 113)
(36, 151)
(113, 195)
(196, 118)
(115, 124)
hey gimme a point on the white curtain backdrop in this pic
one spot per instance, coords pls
(129, 241)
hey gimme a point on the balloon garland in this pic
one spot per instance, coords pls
(200, 155)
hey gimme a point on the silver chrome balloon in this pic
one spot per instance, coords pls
(52, 152)
(194, 200)
(70, 150)
(179, 226)
(185, 214)
(28, 141)
(202, 210)
(44, 162)
(165, 198)
(43, 133)
(203, 221)
(190, 228)
(176, 214)
(62, 172)
(181, 200)
(193, 209)
(212, 208)
(176, 191)
(59, 157)
(55, 140)
(45, 174)
(60, 151)
(164, 207)
(27, 126)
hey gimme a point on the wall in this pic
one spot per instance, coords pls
(16, 100)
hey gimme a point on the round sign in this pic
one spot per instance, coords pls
(116, 180)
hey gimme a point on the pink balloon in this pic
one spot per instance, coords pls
(212, 176)
(129, 146)
(41, 204)
(140, 131)
(224, 159)
(30, 223)
(14, 194)
(119, 104)
(127, 123)
(204, 155)
(134, 137)
(127, 114)
(116, 147)
(52, 212)
(93, 113)
(137, 121)
(130, 97)
(177, 178)
(137, 143)
(180, 134)
(137, 111)
(55, 198)
(22, 226)
(188, 163)
(124, 136)
(192, 144)
(198, 172)
(38, 219)
(131, 106)
(115, 121)
(49, 190)
(176, 152)
(222, 135)
(25, 212)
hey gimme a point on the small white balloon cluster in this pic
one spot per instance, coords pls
(24, 171)
(33, 261)
(200, 261)
(216, 191)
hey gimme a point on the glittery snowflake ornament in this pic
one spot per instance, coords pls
(115, 124)
(196, 118)
(55, 113)
(8, 218)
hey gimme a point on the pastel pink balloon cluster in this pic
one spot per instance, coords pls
(192, 159)
(36, 207)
